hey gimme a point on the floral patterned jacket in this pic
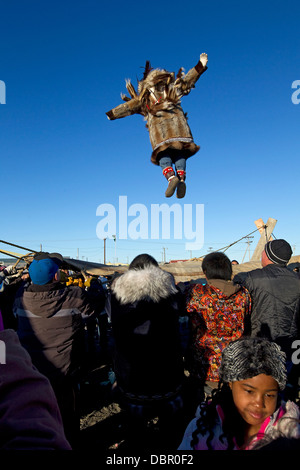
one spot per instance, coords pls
(218, 311)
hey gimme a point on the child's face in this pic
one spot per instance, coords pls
(255, 400)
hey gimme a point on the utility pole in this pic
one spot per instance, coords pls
(115, 240)
(248, 247)
(104, 258)
(265, 231)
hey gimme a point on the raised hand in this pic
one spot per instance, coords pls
(203, 59)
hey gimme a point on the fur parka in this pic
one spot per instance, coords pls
(139, 284)
(159, 101)
(145, 311)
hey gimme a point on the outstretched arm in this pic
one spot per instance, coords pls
(194, 74)
(128, 108)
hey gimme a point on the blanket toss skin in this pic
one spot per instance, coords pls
(158, 100)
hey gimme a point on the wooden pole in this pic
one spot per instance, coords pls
(266, 232)
(18, 246)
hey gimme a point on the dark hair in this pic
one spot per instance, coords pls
(217, 266)
(208, 416)
(140, 261)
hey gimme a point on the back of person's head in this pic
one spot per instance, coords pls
(140, 261)
(278, 251)
(217, 266)
(44, 267)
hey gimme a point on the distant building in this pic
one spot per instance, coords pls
(9, 261)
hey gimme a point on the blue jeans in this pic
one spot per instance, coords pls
(177, 160)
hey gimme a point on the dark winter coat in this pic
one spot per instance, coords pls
(50, 326)
(145, 324)
(159, 101)
(29, 415)
(275, 293)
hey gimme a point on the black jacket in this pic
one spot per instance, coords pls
(275, 293)
(145, 324)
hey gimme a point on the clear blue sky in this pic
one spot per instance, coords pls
(64, 64)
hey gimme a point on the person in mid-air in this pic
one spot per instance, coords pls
(158, 100)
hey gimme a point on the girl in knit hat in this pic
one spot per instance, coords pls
(246, 407)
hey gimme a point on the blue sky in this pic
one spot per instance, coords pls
(64, 64)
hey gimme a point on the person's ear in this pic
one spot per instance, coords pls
(57, 275)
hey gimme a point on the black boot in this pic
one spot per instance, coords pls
(181, 187)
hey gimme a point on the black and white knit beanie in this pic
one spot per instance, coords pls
(279, 251)
(248, 357)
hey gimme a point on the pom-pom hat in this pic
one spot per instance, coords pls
(248, 357)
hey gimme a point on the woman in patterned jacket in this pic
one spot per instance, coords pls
(218, 312)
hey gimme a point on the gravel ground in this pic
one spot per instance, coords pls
(105, 426)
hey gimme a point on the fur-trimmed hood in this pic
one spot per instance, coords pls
(149, 283)
(154, 77)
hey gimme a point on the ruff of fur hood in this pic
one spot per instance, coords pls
(149, 283)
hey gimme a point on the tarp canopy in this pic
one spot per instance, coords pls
(183, 271)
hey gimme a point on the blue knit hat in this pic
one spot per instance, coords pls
(44, 267)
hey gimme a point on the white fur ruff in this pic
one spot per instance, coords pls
(151, 282)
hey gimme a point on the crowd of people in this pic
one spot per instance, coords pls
(212, 360)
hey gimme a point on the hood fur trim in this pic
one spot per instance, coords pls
(151, 283)
(174, 89)
(155, 76)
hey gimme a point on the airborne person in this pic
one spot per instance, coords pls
(158, 100)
